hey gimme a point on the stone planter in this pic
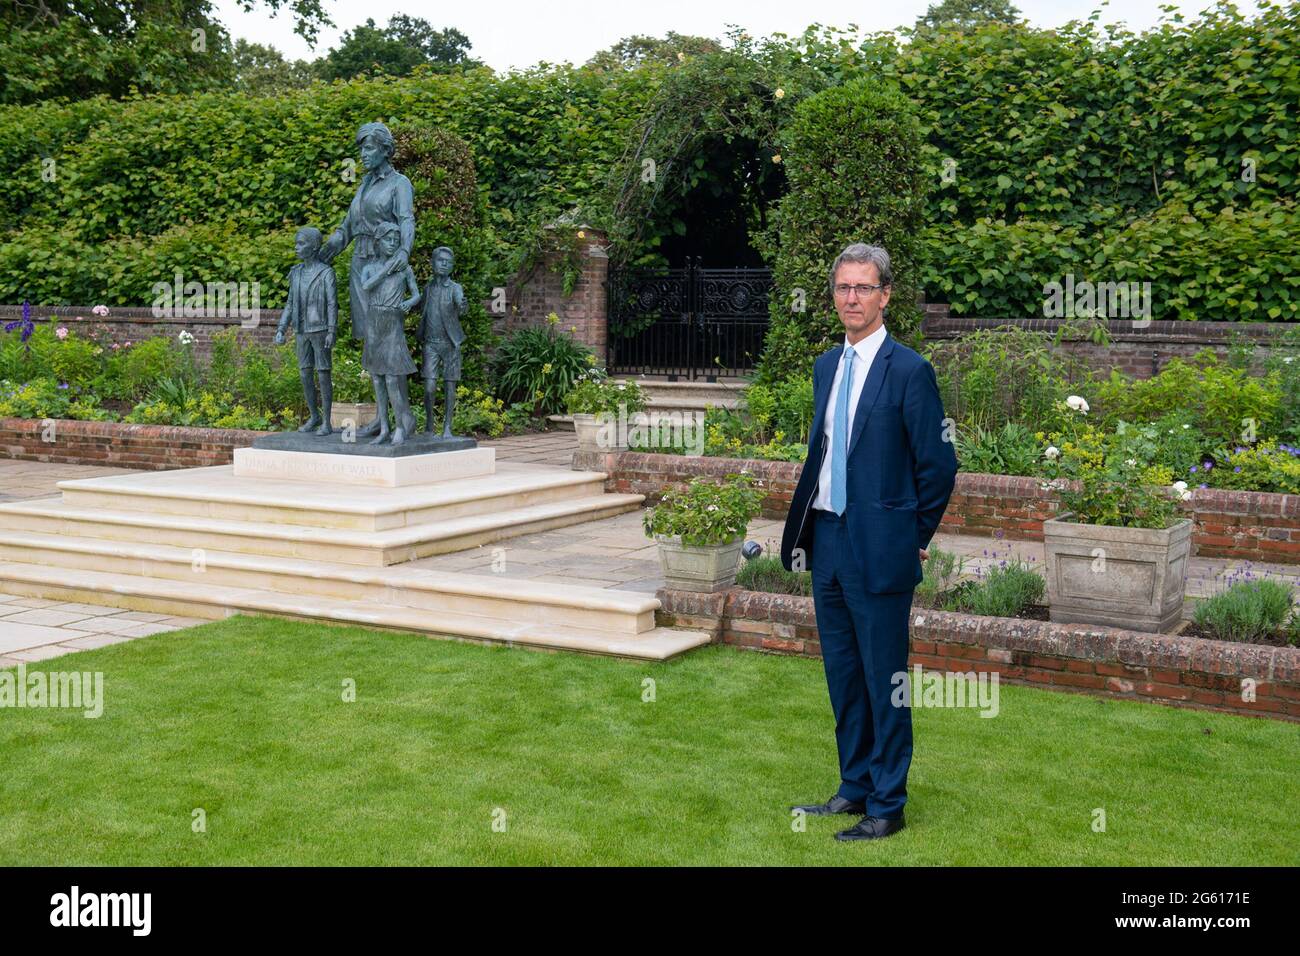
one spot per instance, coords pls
(1132, 578)
(361, 413)
(698, 567)
(596, 436)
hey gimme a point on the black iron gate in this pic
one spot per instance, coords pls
(691, 322)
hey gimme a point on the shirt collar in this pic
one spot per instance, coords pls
(867, 347)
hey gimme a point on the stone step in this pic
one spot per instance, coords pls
(217, 494)
(432, 590)
(209, 600)
(340, 545)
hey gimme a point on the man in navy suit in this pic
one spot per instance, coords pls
(878, 475)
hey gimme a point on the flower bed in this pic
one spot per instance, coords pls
(156, 447)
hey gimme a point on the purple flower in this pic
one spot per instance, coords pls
(63, 385)
(1195, 468)
(1237, 469)
(25, 322)
(1209, 465)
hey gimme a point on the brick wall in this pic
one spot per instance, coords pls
(1106, 661)
(534, 295)
(1137, 352)
(150, 447)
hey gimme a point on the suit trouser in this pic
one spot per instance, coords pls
(864, 642)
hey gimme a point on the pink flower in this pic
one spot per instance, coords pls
(100, 310)
(61, 332)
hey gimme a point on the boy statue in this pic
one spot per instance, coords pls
(440, 331)
(313, 310)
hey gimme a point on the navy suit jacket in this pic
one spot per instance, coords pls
(900, 469)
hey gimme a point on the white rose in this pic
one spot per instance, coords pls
(1078, 403)
(1052, 452)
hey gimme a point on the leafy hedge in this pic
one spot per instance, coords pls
(215, 184)
(1084, 150)
(854, 162)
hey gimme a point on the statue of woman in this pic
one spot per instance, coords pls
(384, 196)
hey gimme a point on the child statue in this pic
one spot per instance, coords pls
(384, 353)
(313, 311)
(440, 331)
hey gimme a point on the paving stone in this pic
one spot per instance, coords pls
(44, 615)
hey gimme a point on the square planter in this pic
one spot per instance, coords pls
(690, 567)
(597, 433)
(361, 413)
(1124, 577)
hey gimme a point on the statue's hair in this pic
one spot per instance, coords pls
(384, 228)
(379, 131)
(311, 232)
(446, 249)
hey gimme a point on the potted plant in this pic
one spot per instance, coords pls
(700, 531)
(602, 410)
(1117, 553)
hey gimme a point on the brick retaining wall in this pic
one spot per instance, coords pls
(155, 447)
(1106, 661)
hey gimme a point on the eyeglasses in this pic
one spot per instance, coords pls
(863, 289)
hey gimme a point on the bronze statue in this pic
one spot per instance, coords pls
(312, 310)
(385, 196)
(385, 354)
(440, 331)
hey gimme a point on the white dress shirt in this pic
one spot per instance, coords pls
(865, 350)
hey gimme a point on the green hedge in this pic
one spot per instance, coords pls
(853, 157)
(1081, 150)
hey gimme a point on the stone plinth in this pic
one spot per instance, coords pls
(368, 470)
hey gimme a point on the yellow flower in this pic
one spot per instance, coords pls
(776, 158)
(582, 234)
(546, 368)
(780, 93)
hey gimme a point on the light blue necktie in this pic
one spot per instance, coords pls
(840, 437)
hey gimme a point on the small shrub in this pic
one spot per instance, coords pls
(1005, 591)
(765, 573)
(706, 512)
(1267, 466)
(938, 572)
(1248, 611)
(540, 366)
(595, 393)
(1009, 450)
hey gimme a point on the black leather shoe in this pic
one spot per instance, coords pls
(871, 828)
(835, 804)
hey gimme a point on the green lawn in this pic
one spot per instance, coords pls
(245, 719)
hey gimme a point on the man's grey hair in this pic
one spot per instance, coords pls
(861, 252)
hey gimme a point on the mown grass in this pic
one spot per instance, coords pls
(245, 720)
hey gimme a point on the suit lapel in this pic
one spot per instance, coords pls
(819, 408)
(871, 389)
